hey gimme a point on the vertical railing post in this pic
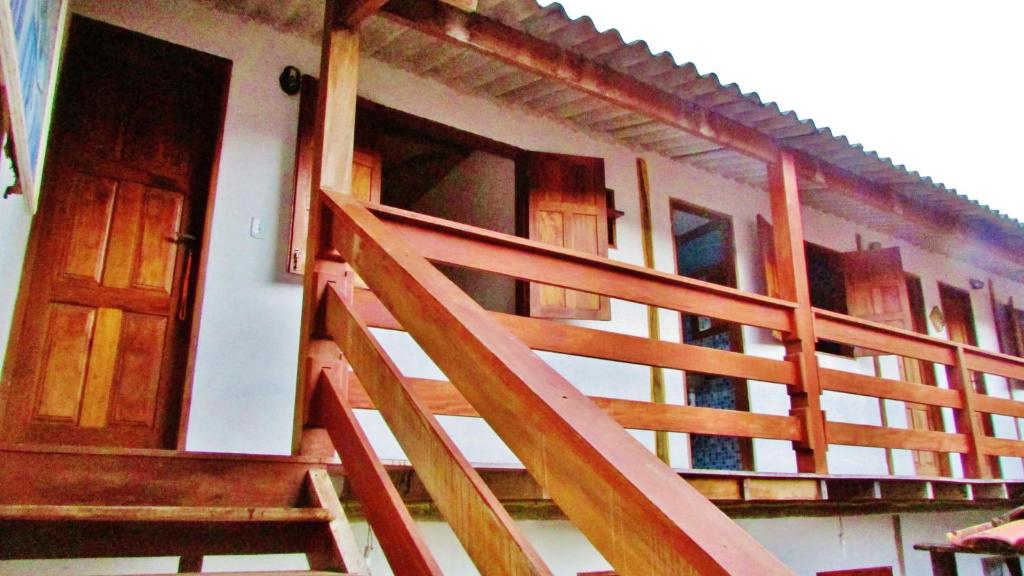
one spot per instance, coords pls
(333, 141)
(975, 464)
(791, 266)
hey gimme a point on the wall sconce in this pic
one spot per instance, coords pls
(290, 80)
(976, 284)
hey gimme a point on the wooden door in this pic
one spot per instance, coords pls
(564, 202)
(100, 356)
(959, 316)
(921, 416)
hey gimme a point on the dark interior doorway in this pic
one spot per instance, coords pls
(705, 251)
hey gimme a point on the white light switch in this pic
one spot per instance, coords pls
(256, 228)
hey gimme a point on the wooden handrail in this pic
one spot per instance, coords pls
(485, 529)
(851, 383)
(466, 246)
(442, 398)
(579, 341)
(606, 482)
(382, 503)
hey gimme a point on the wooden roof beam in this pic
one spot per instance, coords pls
(352, 13)
(517, 48)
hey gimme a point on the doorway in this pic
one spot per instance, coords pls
(108, 298)
(959, 317)
(921, 416)
(705, 251)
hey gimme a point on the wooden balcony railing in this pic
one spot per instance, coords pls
(460, 245)
(636, 511)
(573, 445)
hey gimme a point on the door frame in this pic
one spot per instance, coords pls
(220, 69)
(740, 385)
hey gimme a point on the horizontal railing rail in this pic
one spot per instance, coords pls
(446, 242)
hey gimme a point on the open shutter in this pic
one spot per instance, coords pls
(563, 200)
(766, 239)
(876, 289)
(366, 175)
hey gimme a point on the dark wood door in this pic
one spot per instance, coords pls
(101, 353)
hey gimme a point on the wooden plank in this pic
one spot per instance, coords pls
(442, 397)
(967, 422)
(994, 363)
(98, 476)
(39, 540)
(340, 549)
(188, 514)
(482, 525)
(781, 489)
(333, 143)
(793, 285)
(352, 13)
(852, 383)
(639, 514)
(400, 538)
(470, 247)
(661, 438)
(882, 437)
(849, 330)
(1002, 447)
(579, 341)
(992, 405)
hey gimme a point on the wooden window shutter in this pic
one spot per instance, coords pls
(562, 201)
(876, 289)
(366, 175)
(766, 240)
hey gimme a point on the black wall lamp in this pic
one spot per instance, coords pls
(290, 80)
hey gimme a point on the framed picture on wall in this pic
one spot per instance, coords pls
(31, 39)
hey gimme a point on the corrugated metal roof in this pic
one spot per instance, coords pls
(468, 71)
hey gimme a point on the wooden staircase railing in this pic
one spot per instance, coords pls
(640, 515)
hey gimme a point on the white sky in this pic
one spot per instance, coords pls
(936, 86)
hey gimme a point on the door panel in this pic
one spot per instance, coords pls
(68, 338)
(135, 128)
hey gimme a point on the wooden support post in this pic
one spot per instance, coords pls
(333, 141)
(968, 421)
(791, 263)
(339, 550)
(661, 440)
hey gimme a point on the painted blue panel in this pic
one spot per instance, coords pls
(36, 31)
